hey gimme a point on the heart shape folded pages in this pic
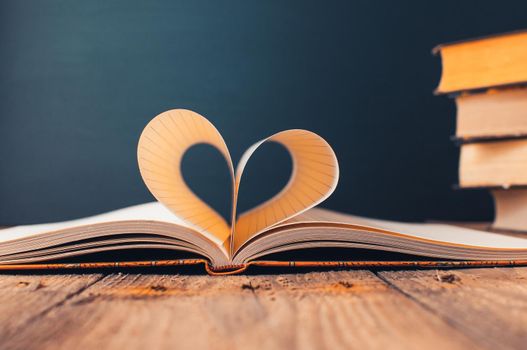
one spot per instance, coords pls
(169, 135)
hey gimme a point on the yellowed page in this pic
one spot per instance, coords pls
(161, 147)
(153, 211)
(314, 177)
(440, 234)
(493, 164)
(511, 209)
(169, 135)
(498, 112)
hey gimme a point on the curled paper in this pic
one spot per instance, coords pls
(168, 136)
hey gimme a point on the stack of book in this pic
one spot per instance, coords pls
(487, 77)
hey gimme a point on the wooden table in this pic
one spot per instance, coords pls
(357, 309)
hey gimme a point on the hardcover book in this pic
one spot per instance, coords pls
(500, 163)
(494, 114)
(511, 209)
(290, 221)
(496, 60)
(487, 77)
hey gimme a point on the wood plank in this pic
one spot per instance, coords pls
(489, 305)
(343, 310)
(27, 298)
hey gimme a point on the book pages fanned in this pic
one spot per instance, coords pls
(168, 136)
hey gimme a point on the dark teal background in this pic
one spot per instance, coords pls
(79, 80)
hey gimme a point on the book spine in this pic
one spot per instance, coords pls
(225, 269)
(237, 269)
(392, 264)
(483, 90)
(102, 265)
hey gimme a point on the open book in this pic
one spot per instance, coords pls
(288, 222)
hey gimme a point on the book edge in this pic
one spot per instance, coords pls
(238, 269)
(490, 187)
(459, 140)
(436, 49)
(478, 90)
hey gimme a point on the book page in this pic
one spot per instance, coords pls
(314, 177)
(511, 209)
(438, 233)
(153, 211)
(160, 151)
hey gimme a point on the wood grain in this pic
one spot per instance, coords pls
(488, 305)
(25, 299)
(342, 310)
